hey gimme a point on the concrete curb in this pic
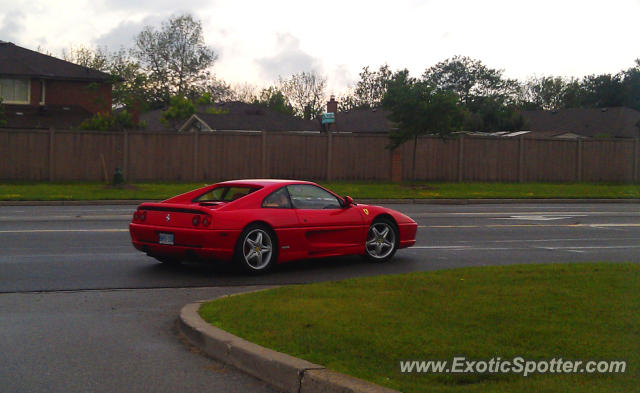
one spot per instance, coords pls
(364, 201)
(284, 372)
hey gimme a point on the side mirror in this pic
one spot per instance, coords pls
(348, 201)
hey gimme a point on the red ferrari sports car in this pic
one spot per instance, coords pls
(258, 223)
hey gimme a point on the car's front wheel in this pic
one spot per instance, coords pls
(382, 240)
(257, 249)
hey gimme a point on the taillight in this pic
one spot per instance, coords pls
(139, 215)
(206, 221)
(195, 221)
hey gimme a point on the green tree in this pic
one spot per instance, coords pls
(244, 92)
(631, 86)
(180, 109)
(275, 100)
(130, 84)
(97, 59)
(370, 89)
(604, 90)
(419, 109)
(492, 114)
(547, 92)
(175, 58)
(488, 98)
(347, 102)
(573, 94)
(470, 79)
(218, 90)
(305, 92)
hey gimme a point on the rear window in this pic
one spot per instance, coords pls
(224, 194)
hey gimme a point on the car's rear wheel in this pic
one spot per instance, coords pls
(382, 240)
(257, 249)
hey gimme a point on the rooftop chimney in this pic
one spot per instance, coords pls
(332, 105)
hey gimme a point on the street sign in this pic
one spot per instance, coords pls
(328, 117)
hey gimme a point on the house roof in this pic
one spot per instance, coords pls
(44, 117)
(16, 61)
(618, 122)
(249, 117)
(363, 120)
(153, 122)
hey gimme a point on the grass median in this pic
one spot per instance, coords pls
(22, 191)
(364, 327)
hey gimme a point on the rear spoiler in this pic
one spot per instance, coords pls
(173, 207)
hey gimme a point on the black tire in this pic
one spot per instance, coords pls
(256, 249)
(382, 240)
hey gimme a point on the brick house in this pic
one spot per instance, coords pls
(41, 91)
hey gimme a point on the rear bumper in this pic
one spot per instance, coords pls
(203, 244)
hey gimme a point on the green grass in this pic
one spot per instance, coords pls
(363, 327)
(22, 191)
(91, 191)
(485, 190)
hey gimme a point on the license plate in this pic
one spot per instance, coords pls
(165, 238)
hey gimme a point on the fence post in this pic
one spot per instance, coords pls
(521, 159)
(52, 137)
(196, 134)
(125, 155)
(329, 154)
(396, 164)
(265, 170)
(461, 158)
(579, 161)
(636, 145)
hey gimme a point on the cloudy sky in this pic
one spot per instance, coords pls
(259, 40)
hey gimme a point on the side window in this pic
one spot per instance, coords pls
(224, 194)
(214, 195)
(306, 196)
(277, 199)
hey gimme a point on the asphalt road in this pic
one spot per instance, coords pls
(81, 310)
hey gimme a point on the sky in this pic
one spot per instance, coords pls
(257, 41)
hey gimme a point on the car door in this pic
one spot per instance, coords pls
(327, 227)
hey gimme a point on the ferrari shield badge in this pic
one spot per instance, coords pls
(366, 211)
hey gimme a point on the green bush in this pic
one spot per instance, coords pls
(109, 122)
(180, 108)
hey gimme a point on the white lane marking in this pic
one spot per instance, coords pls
(63, 230)
(74, 217)
(442, 247)
(527, 213)
(569, 248)
(537, 218)
(470, 248)
(10, 257)
(529, 225)
(576, 239)
(466, 248)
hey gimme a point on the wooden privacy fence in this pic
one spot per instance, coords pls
(63, 155)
